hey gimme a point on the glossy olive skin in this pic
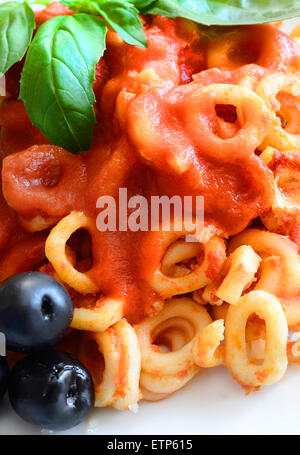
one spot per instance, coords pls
(35, 311)
(4, 376)
(51, 389)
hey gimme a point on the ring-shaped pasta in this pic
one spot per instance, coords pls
(263, 45)
(179, 252)
(268, 89)
(279, 272)
(255, 334)
(293, 351)
(147, 395)
(166, 384)
(214, 255)
(105, 313)
(55, 250)
(208, 295)
(162, 386)
(240, 270)
(37, 223)
(154, 361)
(236, 276)
(267, 307)
(220, 54)
(253, 116)
(284, 213)
(208, 351)
(173, 333)
(279, 255)
(119, 386)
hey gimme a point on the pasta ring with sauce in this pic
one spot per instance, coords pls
(251, 375)
(255, 334)
(147, 395)
(208, 351)
(238, 273)
(284, 214)
(105, 313)
(176, 332)
(200, 274)
(55, 250)
(37, 223)
(279, 272)
(253, 115)
(268, 89)
(119, 385)
(164, 385)
(293, 350)
(263, 45)
(156, 362)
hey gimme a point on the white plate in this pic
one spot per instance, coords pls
(212, 403)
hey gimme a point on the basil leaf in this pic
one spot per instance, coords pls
(222, 12)
(121, 15)
(56, 82)
(123, 18)
(142, 3)
(16, 27)
(82, 6)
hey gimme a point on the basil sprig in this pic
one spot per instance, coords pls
(56, 83)
(121, 15)
(16, 28)
(222, 12)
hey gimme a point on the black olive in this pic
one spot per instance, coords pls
(4, 375)
(51, 389)
(35, 311)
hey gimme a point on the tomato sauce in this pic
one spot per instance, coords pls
(148, 139)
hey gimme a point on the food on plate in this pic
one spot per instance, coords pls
(150, 203)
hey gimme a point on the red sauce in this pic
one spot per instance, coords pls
(169, 156)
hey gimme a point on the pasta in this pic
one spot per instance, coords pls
(279, 270)
(99, 317)
(240, 269)
(268, 89)
(178, 365)
(168, 285)
(119, 385)
(275, 358)
(55, 249)
(201, 112)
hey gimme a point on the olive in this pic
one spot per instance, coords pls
(35, 311)
(51, 389)
(4, 375)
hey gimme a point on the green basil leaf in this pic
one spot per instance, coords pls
(16, 27)
(222, 12)
(123, 18)
(56, 82)
(121, 15)
(82, 6)
(143, 3)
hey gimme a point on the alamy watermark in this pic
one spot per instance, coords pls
(157, 213)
